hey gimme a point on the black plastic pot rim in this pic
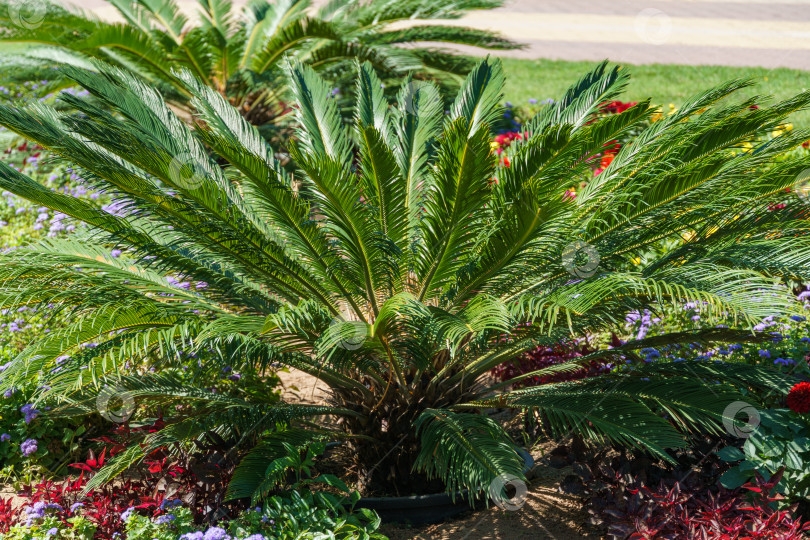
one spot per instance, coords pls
(434, 499)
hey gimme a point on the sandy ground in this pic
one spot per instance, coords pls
(546, 514)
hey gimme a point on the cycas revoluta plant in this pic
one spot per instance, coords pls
(401, 264)
(240, 55)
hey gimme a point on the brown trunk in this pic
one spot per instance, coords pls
(385, 464)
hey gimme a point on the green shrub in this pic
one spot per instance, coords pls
(400, 264)
(291, 516)
(50, 527)
(780, 441)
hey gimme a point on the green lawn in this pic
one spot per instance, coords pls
(665, 84)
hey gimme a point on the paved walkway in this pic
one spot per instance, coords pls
(767, 33)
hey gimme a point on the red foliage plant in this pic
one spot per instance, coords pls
(162, 477)
(544, 357)
(682, 513)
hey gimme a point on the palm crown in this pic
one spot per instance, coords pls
(400, 264)
(240, 56)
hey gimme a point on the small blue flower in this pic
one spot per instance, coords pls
(126, 514)
(764, 353)
(798, 318)
(216, 533)
(784, 362)
(165, 519)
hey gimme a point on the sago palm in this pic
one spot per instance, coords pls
(240, 54)
(401, 263)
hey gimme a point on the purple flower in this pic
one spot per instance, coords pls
(28, 447)
(256, 537)
(532, 101)
(216, 533)
(125, 515)
(165, 519)
(198, 535)
(115, 253)
(30, 412)
(804, 295)
(53, 531)
(5, 437)
(36, 511)
(170, 503)
(798, 318)
(764, 353)
(784, 362)
(76, 506)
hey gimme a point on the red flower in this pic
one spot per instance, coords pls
(798, 398)
(806, 144)
(606, 160)
(616, 107)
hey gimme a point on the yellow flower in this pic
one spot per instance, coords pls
(636, 260)
(493, 144)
